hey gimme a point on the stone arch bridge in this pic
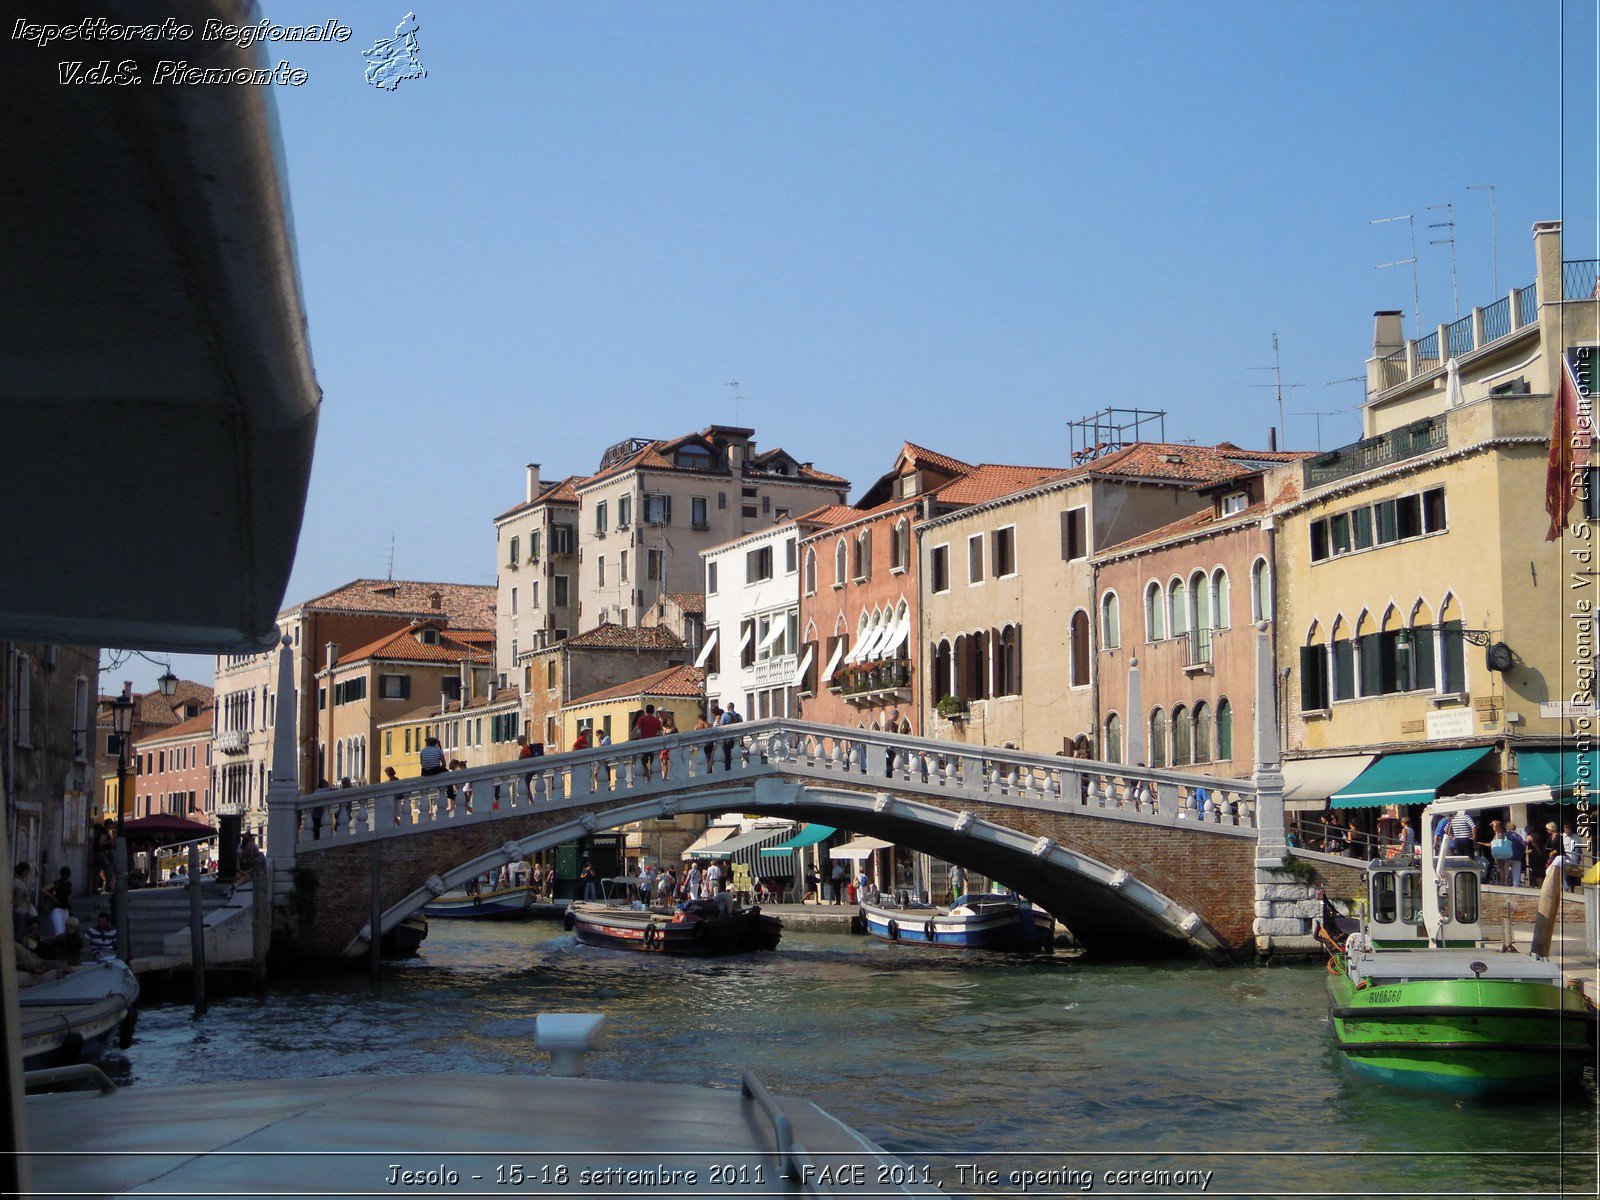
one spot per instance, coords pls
(1134, 861)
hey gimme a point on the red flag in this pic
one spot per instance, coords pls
(1571, 435)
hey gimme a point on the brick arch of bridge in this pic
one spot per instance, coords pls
(1124, 888)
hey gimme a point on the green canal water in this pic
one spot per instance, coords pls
(949, 1059)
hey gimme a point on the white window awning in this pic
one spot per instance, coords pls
(862, 847)
(902, 628)
(805, 665)
(705, 651)
(868, 644)
(744, 642)
(779, 624)
(833, 663)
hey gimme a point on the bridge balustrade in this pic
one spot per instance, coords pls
(729, 757)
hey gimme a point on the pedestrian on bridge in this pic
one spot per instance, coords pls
(730, 716)
(645, 726)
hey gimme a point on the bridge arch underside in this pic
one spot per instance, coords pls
(1124, 889)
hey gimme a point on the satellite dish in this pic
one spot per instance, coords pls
(1500, 657)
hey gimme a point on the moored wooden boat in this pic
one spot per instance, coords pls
(496, 904)
(988, 921)
(405, 939)
(699, 928)
(1417, 1001)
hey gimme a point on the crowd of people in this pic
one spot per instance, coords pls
(1508, 856)
(47, 935)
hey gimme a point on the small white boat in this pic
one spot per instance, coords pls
(74, 1018)
(977, 922)
(489, 904)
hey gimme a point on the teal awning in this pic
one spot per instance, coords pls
(1414, 777)
(1559, 769)
(809, 836)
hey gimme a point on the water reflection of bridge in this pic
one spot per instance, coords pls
(1132, 860)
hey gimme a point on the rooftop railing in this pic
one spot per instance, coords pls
(1398, 445)
(1578, 279)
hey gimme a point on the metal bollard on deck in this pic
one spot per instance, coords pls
(568, 1037)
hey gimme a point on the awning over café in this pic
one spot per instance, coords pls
(1309, 782)
(1413, 777)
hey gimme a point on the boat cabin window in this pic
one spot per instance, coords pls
(1410, 897)
(1465, 894)
(1383, 897)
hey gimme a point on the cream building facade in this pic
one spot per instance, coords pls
(1420, 607)
(536, 579)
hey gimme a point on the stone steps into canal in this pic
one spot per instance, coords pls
(158, 919)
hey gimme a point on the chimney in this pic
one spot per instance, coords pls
(736, 457)
(436, 601)
(1387, 335)
(533, 482)
(1272, 437)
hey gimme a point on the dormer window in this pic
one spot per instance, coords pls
(428, 636)
(910, 484)
(692, 458)
(1234, 502)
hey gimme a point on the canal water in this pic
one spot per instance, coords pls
(1102, 1067)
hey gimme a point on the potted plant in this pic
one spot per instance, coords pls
(952, 709)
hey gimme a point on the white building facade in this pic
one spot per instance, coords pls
(752, 655)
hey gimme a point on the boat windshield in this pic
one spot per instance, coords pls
(1410, 897)
(1383, 897)
(1465, 894)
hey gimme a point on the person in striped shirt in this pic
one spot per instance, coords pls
(432, 757)
(101, 941)
(1463, 833)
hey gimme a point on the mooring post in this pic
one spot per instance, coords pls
(119, 902)
(197, 932)
(375, 930)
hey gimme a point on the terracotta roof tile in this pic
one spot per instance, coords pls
(402, 644)
(1202, 522)
(674, 681)
(564, 491)
(1184, 463)
(607, 636)
(469, 605)
(189, 728)
(932, 458)
(990, 481)
(656, 456)
(154, 709)
(693, 603)
(828, 514)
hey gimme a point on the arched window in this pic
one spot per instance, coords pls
(1221, 600)
(1202, 732)
(841, 561)
(1078, 666)
(1200, 600)
(1110, 621)
(811, 571)
(1422, 649)
(943, 682)
(1158, 738)
(900, 545)
(1177, 608)
(1181, 752)
(1113, 739)
(338, 760)
(864, 554)
(1155, 627)
(1260, 591)
(1224, 731)
(1008, 665)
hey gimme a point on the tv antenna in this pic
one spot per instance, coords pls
(1494, 236)
(737, 398)
(391, 557)
(1319, 413)
(1277, 374)
(1416, 286)
(1449, 239)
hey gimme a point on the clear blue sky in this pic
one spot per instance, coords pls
(964, 224)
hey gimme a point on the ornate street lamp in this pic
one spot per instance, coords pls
(168, 683)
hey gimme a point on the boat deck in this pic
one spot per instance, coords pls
(1395, 966)
(348, 1134)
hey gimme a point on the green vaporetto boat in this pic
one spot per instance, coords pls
(1419, 1002)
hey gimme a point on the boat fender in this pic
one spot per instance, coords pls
(894, 930)
(698, 931)
(927, 931)
(858, 923)
(677, 917)
(569, 921)
(652, 935)
(125, 1030)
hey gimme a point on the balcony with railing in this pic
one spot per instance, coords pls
(1398, 445)
(1579, 279)
(233, 741)
(871, 682)
(1197, 651)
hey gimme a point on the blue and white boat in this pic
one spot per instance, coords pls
(486, 904)
(973, 922)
